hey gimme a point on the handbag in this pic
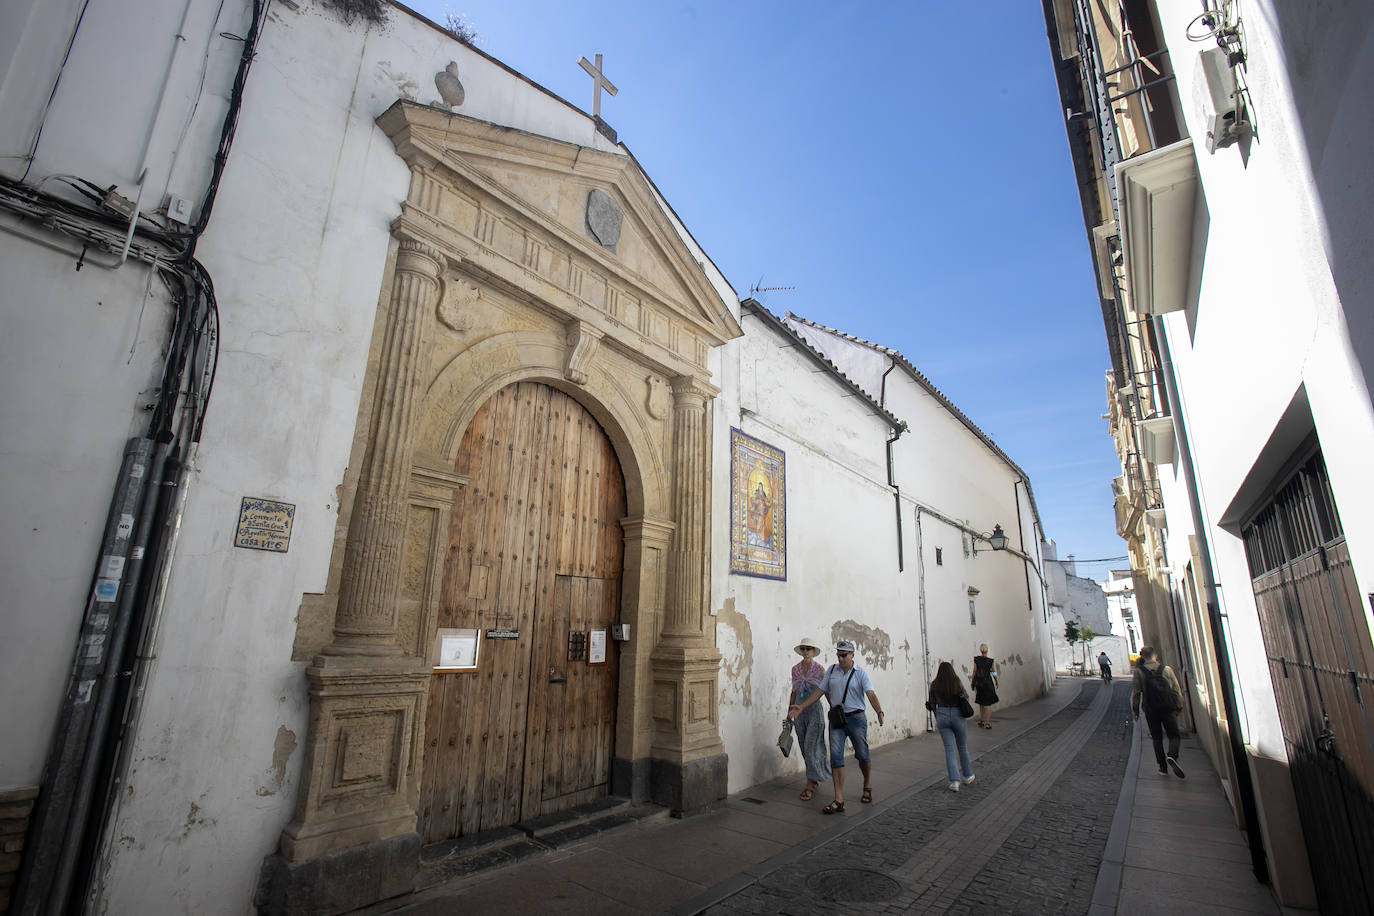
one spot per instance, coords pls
(965, 707)
(836, 714)
(785, 738)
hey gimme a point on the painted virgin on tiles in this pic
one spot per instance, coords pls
(758, 508)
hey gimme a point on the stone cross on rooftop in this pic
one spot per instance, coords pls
(599, 81)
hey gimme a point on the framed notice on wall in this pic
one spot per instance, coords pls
(596, 647)
(456, 649)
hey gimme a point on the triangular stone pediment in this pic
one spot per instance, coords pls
(580, 230)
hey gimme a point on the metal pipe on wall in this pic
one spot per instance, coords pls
(1021, 533)
(141, 652)
(59, 816)
(891, 478)
(896, 499)
(921, 607)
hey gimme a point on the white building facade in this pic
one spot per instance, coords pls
(1121, 610)
(1220, 156)
(889, 502)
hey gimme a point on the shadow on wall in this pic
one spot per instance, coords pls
(1330, 62)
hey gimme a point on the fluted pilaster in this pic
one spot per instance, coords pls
(366, 620)
(687, 596)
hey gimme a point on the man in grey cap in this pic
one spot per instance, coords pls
(845, 685)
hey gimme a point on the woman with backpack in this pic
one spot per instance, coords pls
(1154, 686)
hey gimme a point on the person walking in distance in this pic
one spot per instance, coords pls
(1154, 686)
(947, 700)
(1104, 664)
(984, 683)
(806, 679)
(845, 685)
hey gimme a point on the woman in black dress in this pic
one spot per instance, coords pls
(984, 683)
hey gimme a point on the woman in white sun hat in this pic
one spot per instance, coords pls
(810, 725)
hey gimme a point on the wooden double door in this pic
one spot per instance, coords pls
(535, 547)
(1321, 661)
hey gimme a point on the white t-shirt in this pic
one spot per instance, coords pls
(833, 685)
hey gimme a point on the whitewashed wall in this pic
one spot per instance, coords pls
(841, 563)
(297, 247)
(945, 468)
(843, 572)
(1286, 266)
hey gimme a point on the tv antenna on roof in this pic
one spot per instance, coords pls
(756, 288)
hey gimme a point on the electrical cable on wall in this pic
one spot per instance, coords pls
(90, 749)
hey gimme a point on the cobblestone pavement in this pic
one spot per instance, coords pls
(1067, 815)
(1026, 837)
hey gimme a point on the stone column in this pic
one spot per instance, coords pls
(365, 623)
(353, 840)
(689, 762)
(644, 583)
(686, 612)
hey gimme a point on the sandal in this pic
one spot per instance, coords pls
(807, 794)
(835, 807)
(867, 797)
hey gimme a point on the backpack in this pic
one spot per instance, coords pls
(1159, 696)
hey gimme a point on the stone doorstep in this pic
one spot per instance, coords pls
(491, 849)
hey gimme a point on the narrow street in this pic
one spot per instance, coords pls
(1063, 817)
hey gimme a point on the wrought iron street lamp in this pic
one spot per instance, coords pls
(998, 539)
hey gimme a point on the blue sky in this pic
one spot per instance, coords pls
(902, 164)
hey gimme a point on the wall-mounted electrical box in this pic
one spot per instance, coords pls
(179, 210)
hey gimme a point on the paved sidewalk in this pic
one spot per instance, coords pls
(1163, 842)
(1176, 841)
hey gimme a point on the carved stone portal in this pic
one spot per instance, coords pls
(487, 289)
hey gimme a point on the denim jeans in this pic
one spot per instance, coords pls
(856, 728)
(1167, 724)
(954, 733)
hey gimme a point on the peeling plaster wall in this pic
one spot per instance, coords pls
(842, 559)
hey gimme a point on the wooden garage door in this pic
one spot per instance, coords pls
(535, 546)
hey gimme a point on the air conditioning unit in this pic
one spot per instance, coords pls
(1218, 99)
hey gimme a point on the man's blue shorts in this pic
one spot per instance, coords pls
(856, 728)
